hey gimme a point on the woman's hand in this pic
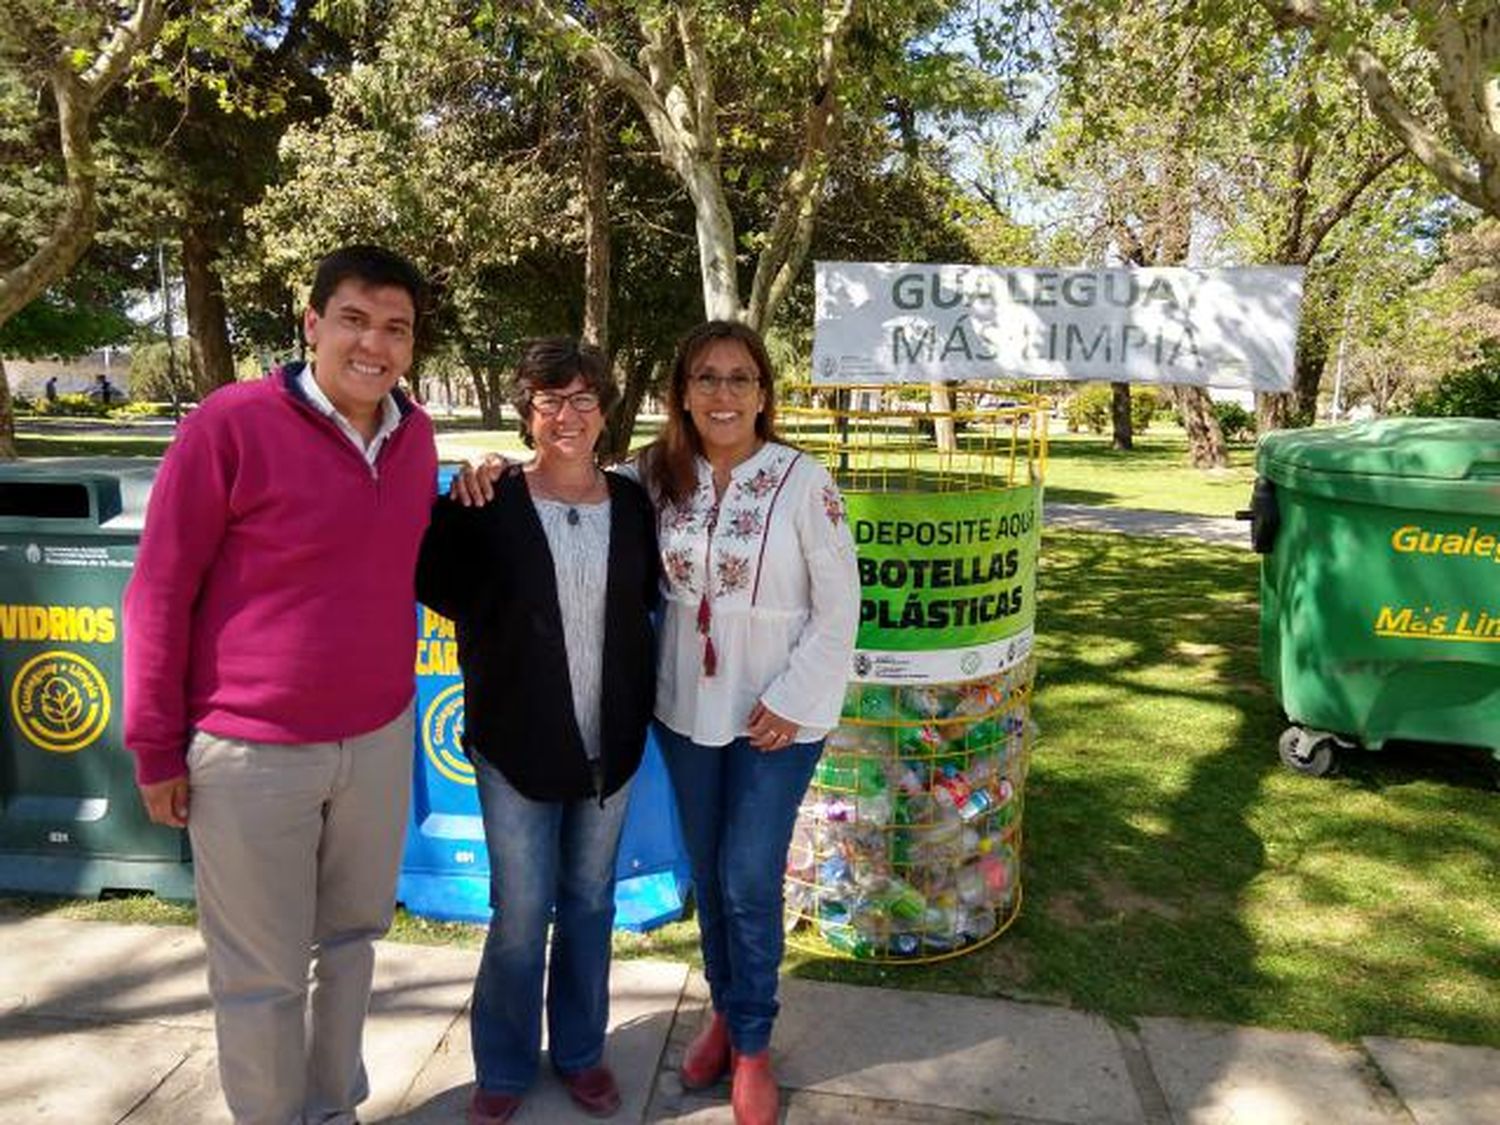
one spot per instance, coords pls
(475, 487)
(769, 731)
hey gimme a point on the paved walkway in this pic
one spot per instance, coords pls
(1222, 531)
(104, 1024)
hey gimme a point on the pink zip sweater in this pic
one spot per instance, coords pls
(273, 599)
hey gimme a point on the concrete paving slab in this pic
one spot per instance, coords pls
(806, 1108)
(953, 1052)
(56, 1072)
(643, 998)
(694, 1109)
(420, 994)
(1441, 1083)
(1213, 1074)
(117, 973)
(189, 1093)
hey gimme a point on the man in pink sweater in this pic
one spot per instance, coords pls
(269, 633)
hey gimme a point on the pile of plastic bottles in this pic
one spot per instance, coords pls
(908, 843)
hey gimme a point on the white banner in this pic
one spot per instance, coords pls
(895, 322)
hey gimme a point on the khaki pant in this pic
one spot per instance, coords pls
(296, 850)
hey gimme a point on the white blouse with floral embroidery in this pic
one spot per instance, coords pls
(770, 570)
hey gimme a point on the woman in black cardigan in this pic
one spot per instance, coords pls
(551, 588)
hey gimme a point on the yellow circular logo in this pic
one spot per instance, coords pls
(443, 735)
(60, 701)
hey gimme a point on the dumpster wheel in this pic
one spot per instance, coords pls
(1310, 752)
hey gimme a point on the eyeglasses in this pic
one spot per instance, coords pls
(545, 402)
(739, 384)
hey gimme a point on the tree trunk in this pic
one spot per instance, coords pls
(1119, 411)
(1312, 358)
(640, 375)
(489, 389)
(1273, 412)
(944, 432)
(596, 261)
(1205, 437)
(7, 418)
(76, 95)
(681, 111)
(209, 354)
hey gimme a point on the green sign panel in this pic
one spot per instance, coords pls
(947, 582)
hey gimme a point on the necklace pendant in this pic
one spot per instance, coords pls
(573, 517)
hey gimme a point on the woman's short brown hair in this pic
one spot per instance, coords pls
(552, 362)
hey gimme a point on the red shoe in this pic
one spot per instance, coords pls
(593, 1090)
(707, 1057)
(489, 1108)
(755, 1096)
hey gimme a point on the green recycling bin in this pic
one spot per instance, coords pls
(71, 821)
(1380, 584)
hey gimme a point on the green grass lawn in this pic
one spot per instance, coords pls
(1171, 865)
(1083, 469)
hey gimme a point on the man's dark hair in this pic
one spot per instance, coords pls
(369, 265)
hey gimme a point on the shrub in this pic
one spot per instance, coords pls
(1473, 392)
(148, 371)
(142, 409)
(1145, 404)
(1092, 408)
(1237, 423)
(73, 406)
(1088, 409)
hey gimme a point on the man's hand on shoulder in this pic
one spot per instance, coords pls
(167, 801)
(474, 487)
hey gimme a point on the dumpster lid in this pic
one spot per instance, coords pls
(1427, 448)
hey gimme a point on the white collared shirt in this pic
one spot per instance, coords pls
(390, 416)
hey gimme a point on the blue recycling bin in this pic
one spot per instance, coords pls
(445, 872)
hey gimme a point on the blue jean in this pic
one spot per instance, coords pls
(544, 854)
(738, 807)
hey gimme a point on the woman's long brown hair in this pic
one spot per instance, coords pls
(670, 462)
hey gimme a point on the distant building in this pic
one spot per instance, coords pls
(78, 376)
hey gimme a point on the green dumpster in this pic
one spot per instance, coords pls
(1380, 584)
(70, 818)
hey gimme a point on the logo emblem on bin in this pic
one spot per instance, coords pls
(60, 701)
(443, 735)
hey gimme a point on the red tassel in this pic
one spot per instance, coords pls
(705, 621)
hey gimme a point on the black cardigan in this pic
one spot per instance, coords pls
(490, 570)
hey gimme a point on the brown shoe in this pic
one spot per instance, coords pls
(593, 1090)
(707, 1057)
(489, 1108)
(755, 1096)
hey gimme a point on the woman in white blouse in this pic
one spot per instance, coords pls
(761, 607)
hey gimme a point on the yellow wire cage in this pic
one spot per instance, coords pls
(907, 847)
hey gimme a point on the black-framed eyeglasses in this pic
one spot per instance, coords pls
(738, 384)
(550, 402)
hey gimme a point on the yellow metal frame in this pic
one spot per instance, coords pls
(895, 448)
(884, 439)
